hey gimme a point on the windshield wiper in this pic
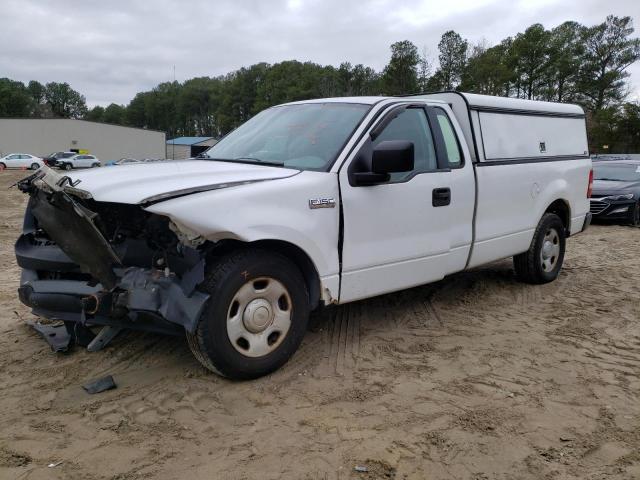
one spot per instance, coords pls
(249, 160)
(258, 160)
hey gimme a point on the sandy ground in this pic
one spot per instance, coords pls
(475, 377)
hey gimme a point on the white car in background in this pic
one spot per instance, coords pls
(21, 160)
(78, 161)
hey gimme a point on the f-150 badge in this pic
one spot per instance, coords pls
(322, 203)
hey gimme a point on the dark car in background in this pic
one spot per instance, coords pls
(52, 159)
(616, 191)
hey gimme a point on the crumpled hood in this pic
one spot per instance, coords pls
(152, 182)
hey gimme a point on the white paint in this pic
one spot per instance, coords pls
(394, 237)
(514, 136)
(269, 210)
(134, 182)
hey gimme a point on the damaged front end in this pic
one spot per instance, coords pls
(101, 263)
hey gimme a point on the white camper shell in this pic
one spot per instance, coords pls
(509, 129)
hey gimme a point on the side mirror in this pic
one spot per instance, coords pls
(393, 156)
(372, 166)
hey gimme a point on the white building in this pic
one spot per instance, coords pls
(188, 147)
(107, 142)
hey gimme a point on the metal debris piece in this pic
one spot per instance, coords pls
(106, 334)
(55, 464)
(100, 385)
(56, 335)
(361, 469)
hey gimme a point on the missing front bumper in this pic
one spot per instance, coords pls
(142, 300)
(110, 293)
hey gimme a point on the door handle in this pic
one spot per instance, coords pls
(441, 197)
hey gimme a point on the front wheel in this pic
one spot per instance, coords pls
(35, 166)
(67, 166)
(256, 316)
(2, 166)
(94, 165)
(543, 261)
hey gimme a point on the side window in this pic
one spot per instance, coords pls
(452, 147)
(14, 157)
(412, 125)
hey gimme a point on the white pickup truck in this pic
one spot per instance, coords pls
(307, 204)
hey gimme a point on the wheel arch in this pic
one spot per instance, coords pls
(293, 252)
(561, 208)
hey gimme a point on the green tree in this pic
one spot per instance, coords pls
(609, 51)
(364, 81)
(486, 71)
(424, 70)
(136, 111)
(115, 114)
(529, 58)
(453, 58)
(400, 76)
(64, 101)
(37, 92)
(96, 114)
(565, 53)
(15, 100)
(628, 128)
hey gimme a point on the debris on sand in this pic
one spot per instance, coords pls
(100, 385)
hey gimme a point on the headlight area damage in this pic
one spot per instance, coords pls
(111, 264)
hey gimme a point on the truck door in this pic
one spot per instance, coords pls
(417, 226)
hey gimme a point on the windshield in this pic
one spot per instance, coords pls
(306, 136)
(618, 173)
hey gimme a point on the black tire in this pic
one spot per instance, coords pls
(2, 166)
(34, 166)
(94, 165)
(634, 215)
(67, 166)
(211, 344)
(530, 266)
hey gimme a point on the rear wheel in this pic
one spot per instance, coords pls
(35, 166)
(256, 317)
(543, 261)
(634, 215)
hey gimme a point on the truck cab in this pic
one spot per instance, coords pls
(308, 204)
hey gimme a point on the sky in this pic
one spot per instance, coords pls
(109, 50)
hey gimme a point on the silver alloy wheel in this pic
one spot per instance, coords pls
(550, 250)
(259, 317)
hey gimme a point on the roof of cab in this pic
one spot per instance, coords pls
(362, 100)
(482, 102)
(506, 103)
